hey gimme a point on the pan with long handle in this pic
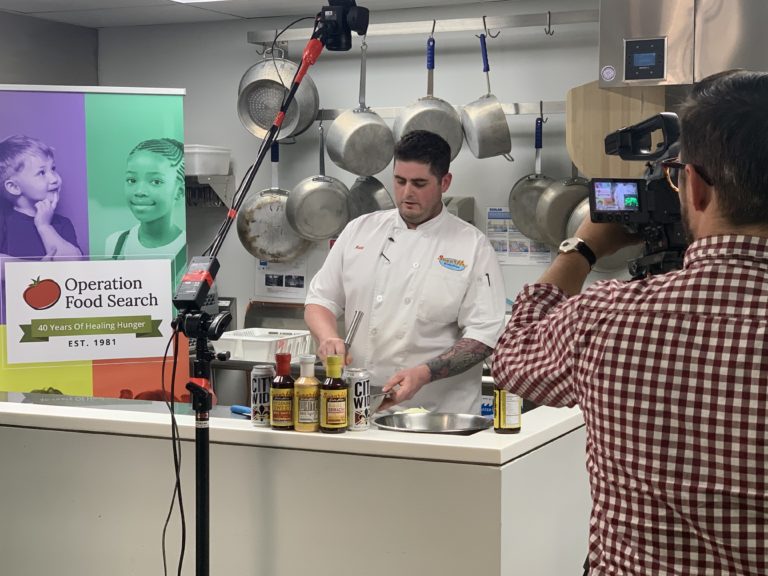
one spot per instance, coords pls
(262, 225)
(484, 122)
(359, 141)
(318, 207)
(525, 194)
(430, 113)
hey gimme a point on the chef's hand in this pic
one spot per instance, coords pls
(333, 346)
(410, 381)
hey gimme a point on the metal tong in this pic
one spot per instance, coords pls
(358, 315)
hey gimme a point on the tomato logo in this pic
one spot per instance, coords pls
(42, 294)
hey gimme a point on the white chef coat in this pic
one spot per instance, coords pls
(420, 291)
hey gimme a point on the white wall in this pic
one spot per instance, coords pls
(210, 59)
(34, 51)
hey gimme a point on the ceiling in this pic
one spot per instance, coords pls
(108, 13)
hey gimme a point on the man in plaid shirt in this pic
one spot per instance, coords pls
(671, 371)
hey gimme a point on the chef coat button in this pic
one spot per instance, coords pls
(415, 264)
(408, 300)
(379, 298)
(374, 331)
(400, 335)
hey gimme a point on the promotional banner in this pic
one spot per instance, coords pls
(91, 191)
(87, 310)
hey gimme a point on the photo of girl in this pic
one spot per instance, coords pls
(153, 186)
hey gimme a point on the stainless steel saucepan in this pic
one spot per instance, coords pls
(430, 113)
(484, 122)
(359, 140)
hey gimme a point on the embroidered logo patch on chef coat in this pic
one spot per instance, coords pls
(451, 263)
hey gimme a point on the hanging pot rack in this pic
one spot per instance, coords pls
(547, 20)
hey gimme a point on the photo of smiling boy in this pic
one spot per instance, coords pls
(153, 185)
(30, 186)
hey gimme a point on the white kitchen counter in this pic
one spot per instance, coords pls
(94, 485)
(486, 447)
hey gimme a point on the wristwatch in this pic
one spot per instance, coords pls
(575, 244)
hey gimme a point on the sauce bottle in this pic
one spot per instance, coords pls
(507, 410)
(306, 397)
(281, 394)
(334, 394)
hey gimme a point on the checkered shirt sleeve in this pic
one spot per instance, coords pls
(671, 373)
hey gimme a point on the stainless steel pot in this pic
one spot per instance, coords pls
(359, 140)
(556, 205)
(262, 224)
(615, 261)
(430, 113)
(318, 206)
(261, 92)
(525, 194)
(367, 195)
(484, 122)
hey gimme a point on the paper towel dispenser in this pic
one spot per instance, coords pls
(668, 42)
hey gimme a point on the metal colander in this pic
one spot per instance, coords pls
(261, 93)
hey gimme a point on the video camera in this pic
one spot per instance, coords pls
(648, 207)
(337, 22)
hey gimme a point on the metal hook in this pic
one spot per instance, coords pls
(541, 112)
(548, 30)
(488, 32)
(432, 34)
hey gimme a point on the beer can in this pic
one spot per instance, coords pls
(359, 405)
(261, 382)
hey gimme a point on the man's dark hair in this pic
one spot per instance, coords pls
(724, 130)
(426, 148)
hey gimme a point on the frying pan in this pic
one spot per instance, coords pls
(430, 113)
(556, 205)
(366, 195)
(484, 122)
(359, 141)
(262, 225)
(525, 194)
(261, 92)
(318, 207)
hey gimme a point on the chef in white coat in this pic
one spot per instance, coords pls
(429, 286)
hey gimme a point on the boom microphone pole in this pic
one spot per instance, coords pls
(333, 27)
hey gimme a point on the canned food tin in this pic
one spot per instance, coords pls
(359, 405)
(261, 382)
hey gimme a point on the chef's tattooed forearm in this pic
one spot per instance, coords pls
(459, 358)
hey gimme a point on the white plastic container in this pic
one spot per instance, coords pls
(261, 344)
(202, 160)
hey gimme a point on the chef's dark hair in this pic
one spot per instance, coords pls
(426, 148)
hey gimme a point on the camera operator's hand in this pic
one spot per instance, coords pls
(605, 239)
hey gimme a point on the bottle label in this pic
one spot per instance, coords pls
(333, 408)
(506, 414)
(282, 407)
(308, 406)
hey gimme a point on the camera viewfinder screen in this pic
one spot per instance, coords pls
(616, 196)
